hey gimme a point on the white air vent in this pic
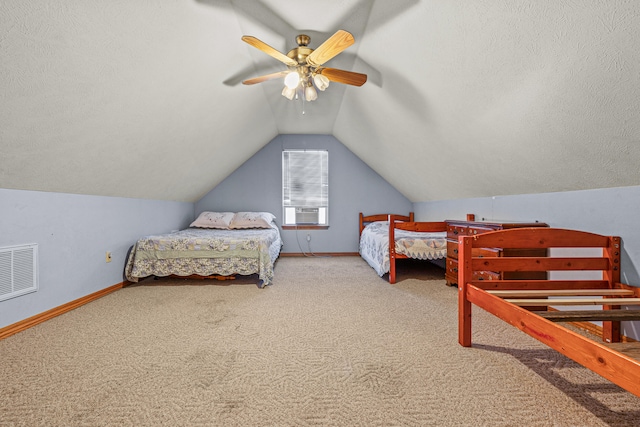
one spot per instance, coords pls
(18, 270)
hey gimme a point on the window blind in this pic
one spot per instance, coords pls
(305, 178)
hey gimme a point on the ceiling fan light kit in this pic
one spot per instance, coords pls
(306, 74)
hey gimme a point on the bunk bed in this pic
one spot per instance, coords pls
(217, 244)
(385, 238)
(577, 281)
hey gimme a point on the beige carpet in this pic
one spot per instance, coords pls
(330, 344)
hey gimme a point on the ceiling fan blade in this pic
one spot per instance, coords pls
(258, 44)
(342, 76)
(265, 78)
(331, 47)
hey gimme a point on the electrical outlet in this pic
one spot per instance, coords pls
(107, 257)
(308, 237)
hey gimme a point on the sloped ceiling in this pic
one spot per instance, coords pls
(464, 99)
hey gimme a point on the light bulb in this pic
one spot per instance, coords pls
(292, 80)
(321, 81)
(310, 93)
(288, 92)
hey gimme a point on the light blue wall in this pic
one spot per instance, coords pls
(610, 211)
(73, 233)
(353, 187)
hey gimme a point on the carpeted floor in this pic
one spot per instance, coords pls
(329, 344)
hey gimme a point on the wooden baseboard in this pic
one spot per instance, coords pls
(22, 325)
(318, 254)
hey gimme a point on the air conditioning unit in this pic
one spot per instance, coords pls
(307, 216)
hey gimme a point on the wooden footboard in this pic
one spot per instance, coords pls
(524, 303)
(395, 224)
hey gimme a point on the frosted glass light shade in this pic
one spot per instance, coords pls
(288, 92)
(292, 80)
(321, 81)
(310, 93)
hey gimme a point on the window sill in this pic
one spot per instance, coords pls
(305, 227)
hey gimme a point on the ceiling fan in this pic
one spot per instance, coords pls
(305, 72)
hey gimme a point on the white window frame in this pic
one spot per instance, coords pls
(305, 187)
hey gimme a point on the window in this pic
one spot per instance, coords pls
(305, 187)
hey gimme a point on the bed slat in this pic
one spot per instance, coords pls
(630, 349)
(540, 284)
(575, 301)
(590, 315)
(560, 292)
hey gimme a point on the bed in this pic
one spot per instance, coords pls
(385, 238)
(582, 285)
(220, 244)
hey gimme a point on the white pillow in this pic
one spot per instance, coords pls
(220, 220)
(252, 220)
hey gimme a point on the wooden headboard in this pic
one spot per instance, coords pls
(364, 220)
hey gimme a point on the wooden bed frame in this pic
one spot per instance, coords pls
(525, 303)
(400, 222)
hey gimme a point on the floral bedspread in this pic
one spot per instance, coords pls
(374, 245)
(206, 252)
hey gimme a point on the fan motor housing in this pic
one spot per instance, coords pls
(300, 54)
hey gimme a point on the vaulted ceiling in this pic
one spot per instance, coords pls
(464, 98)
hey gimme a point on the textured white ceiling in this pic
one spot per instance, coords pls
(464, 99)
